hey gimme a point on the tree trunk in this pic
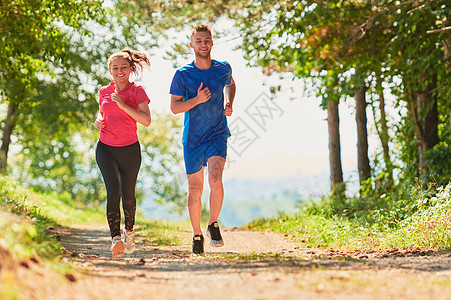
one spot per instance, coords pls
(362, 135)
(10, 122)
(382, 130)
(427, 103)
(421, 141)
(383, 133)
(447, 55)
(333, 122)
(423, 106)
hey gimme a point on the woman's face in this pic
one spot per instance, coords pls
(120, 69)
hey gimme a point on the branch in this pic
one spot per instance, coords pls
(444, 29)
(417, 8)
(360, 30)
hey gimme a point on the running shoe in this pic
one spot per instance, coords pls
(198, 245)
(129, 241)
(117, 247)
(214, 235)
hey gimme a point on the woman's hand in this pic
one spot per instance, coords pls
(116, 98)
(99, 123)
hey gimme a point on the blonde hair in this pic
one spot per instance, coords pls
(201, 28)
(138, 60)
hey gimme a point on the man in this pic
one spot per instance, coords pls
(200, 90)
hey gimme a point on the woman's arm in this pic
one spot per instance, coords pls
(99, 123)
(142, 115)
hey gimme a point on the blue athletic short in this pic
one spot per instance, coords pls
(196, 157)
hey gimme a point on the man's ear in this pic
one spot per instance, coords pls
(191, 44)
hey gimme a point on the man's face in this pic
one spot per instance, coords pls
(201, 42)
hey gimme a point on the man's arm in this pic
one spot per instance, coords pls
(230, 91)
(180, 106)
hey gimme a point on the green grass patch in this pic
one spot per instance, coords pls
(23, 224)
(425, 225)
(24, 219)
(23, 237)
(253, 256)
(56, 208)
(163, 233)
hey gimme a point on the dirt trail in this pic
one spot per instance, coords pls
(239, 271)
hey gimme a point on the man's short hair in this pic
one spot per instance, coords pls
(201, 28)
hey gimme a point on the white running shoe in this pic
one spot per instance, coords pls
(129, 241)
(117, 247)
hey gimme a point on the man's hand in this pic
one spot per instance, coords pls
(203, 94)
(228, 109)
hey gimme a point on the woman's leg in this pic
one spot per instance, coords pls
(110, 172)
(129, 164)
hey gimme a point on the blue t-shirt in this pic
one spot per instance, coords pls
(206, 121)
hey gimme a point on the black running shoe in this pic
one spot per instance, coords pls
(198, 245)
(214, 235)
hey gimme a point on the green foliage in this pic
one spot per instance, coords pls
(429, 225)
(54, 136)
(32, 41)
(51, 208)
(161, 233)
(25, 218)
(422, 219)
(438, 160)
(345, 45)
(23, 235)
(379, 202)
(164, 15)
(161, 171)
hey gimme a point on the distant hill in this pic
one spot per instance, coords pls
(249, 198)
(298, 185)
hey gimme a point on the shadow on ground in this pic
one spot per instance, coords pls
(90, 248)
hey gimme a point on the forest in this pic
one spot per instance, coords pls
(52, 63)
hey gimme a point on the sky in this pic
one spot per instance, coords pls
(272, 136)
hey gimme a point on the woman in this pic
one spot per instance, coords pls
(118, 154)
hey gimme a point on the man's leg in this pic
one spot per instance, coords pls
(195, 188)
(215, 170)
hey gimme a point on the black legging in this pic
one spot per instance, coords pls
(119, 167)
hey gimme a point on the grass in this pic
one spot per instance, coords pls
(25, 217)
(252, 256)
(163, 233)
(427, 227)
(23, 224)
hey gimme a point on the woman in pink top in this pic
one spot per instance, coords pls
(118, 153)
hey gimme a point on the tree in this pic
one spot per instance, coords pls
(162, 175)
(346, 46)
(51, 93)
(314, 40)
(32, 45)
(417, 58)
(382, 39)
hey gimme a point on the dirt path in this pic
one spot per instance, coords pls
(239, 270)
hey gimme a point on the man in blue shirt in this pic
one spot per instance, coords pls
(200, 90)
